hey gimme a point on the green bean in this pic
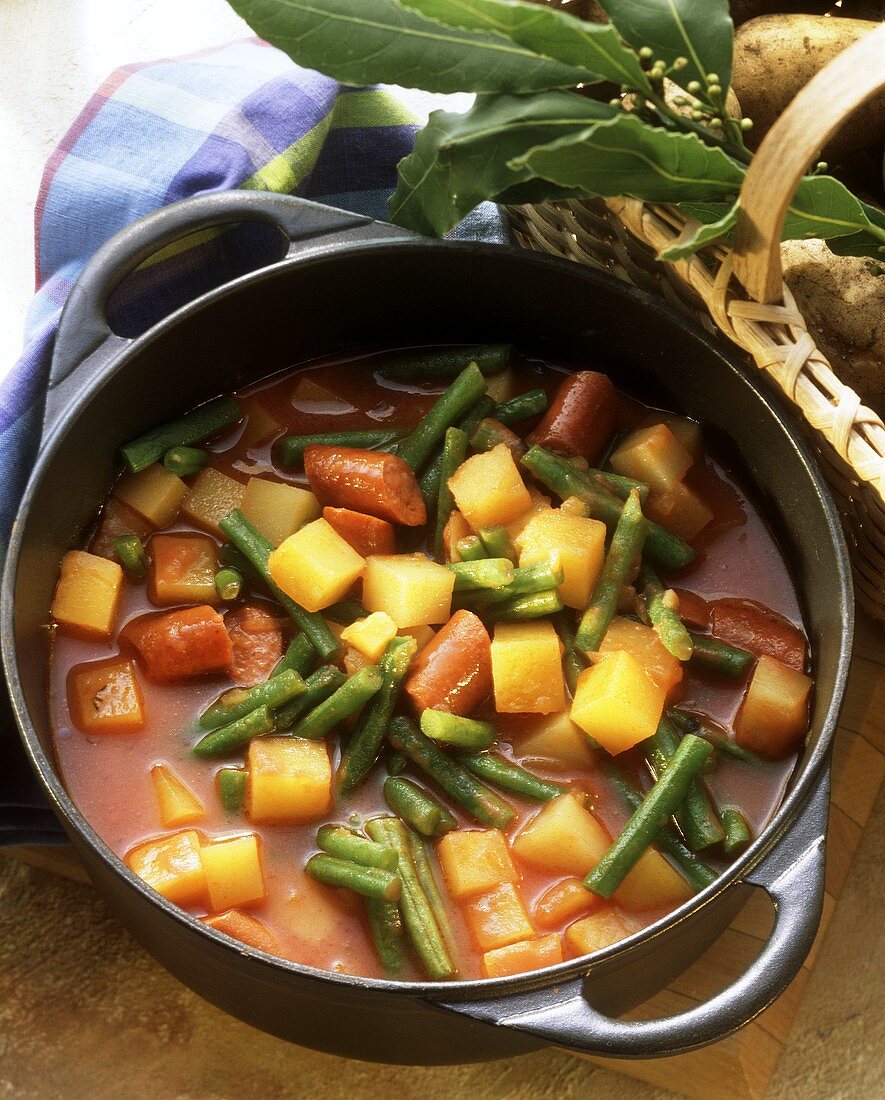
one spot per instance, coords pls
(386, 926)
(270, 693)
(290, 449)
(481, 575)
(626, 546)
(661, 802)
(460, 733)
(234, 736)
(621, 486)
(664, 618)
(194, 427)
(232, 788)
(257, 549)
(449, 775)
(521, 609)
(454, 453)
(430, 366)
(228, 583)
(470, 548)
(467, 388)
(724, 660)
(417, 808)
(320, 685)
(422, 859)
(299, 656)
(522, 407)
(132, 557)
(353, 693)
(233, 558)
(344, 843)
(573, 659)
(511, 777)
(395, 762)
(737, 831)
(662, 547)
(491, 433)
(497, 542)
(430, 479)
(185, 461)
(368, 737)
(527, 580)
(696, 817)
(345, 611)
(418, 914)
(371, 882)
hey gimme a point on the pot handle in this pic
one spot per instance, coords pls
(84, 332)
(793, 876)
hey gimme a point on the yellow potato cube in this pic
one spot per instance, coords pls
(210, 498)
(652, 884)
(653, 455)
(617, 703)
(556, 741)
(87, 595)
(574, 506)
(105, 697)
(680, 511)
(261, 425)
(177, 802)
(315, 566)
(172, 866)
(641, 642)
(579, 544)
(277, 510)
(562, 837)
(154, 493)
(182, 569)
(234, 877)
(474, 861)
(290, 780)
(370, 635)
(499, 918)
(600, 929)
(687, 431)
(412, 590)
(488, 489)
(310, 397)
(540, 504)
(500, 386)
(774, 713)
(423, 635)
(517, 958)
(527, 668)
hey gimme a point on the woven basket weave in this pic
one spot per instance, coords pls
(623, 235)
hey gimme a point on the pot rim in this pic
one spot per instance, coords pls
(802, 781)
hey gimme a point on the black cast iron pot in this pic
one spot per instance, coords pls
(349, 283)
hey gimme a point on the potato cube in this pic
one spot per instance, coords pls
(371, 635)
(540, 504)
(154, 493)
(641, 642)
(595, 932)
(182, 570)
(353, 660)
(210, 498)
(261, 424)
(105, 697)
(652, 884)
(562, 838)
(653, 455)
(563, 902)
(87, 595)
(574, 506)
(117, 519)
(679, 510)
(290, 780)
(412, 590)
(172, 866)
(177, 802)
(500, 386)
(277, 510)
(687, 431)
(558, 742)
(423, 635)
(579, 544)
(310, 397)
(617, 703)
(498, 918)
(774, 714)
(527, 668)
(315, 566)
(488, 489)
(233, 872)
(517, 958)
(474, 861)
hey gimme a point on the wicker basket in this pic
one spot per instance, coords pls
(740, 293)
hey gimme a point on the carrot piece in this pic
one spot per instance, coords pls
(375, 482)
(178, 645)
(257, 640)
(245, 927)
(366, 534)
(693, 610)
(516, 958)
(753, 626)
(454, 671)
(582, 416)
(182, 569)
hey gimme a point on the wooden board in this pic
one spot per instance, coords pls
(740, 1067)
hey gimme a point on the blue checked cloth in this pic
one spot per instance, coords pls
(239, 115)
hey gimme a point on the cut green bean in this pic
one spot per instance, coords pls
(491, 433)
(344, 843)
(626, 546)
(459, 733)
(449, 775)
(497, 542)
(345, 611)
(290, 449)
(541, 576)
(639, 833)
(430, 479)
(257, 549)
(454, 453)
(389, 934)
(432, 366)
(521, 609)
(522, 407)
(737, 831)
(621, 486)
(573, 659)
(417, 808)
(696, 817)
(368, 737)
(483, 574)
(236, 735)
(470, 548)
(511, 777)
(185, 461)
(299, 656)
(238, 703)
(228, 583)
(719, 658)
(320, 685)
(132, 557)
(206, 421)
(422, 858)
(354, 693)
(230, 556)
(467, 388)
(232, 789)
(664, 617)
(395, 762)
(371, 882)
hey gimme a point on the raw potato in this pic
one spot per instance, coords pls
(776, 55)
(744, 10)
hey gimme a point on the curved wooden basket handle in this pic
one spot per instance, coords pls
(786, 152)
